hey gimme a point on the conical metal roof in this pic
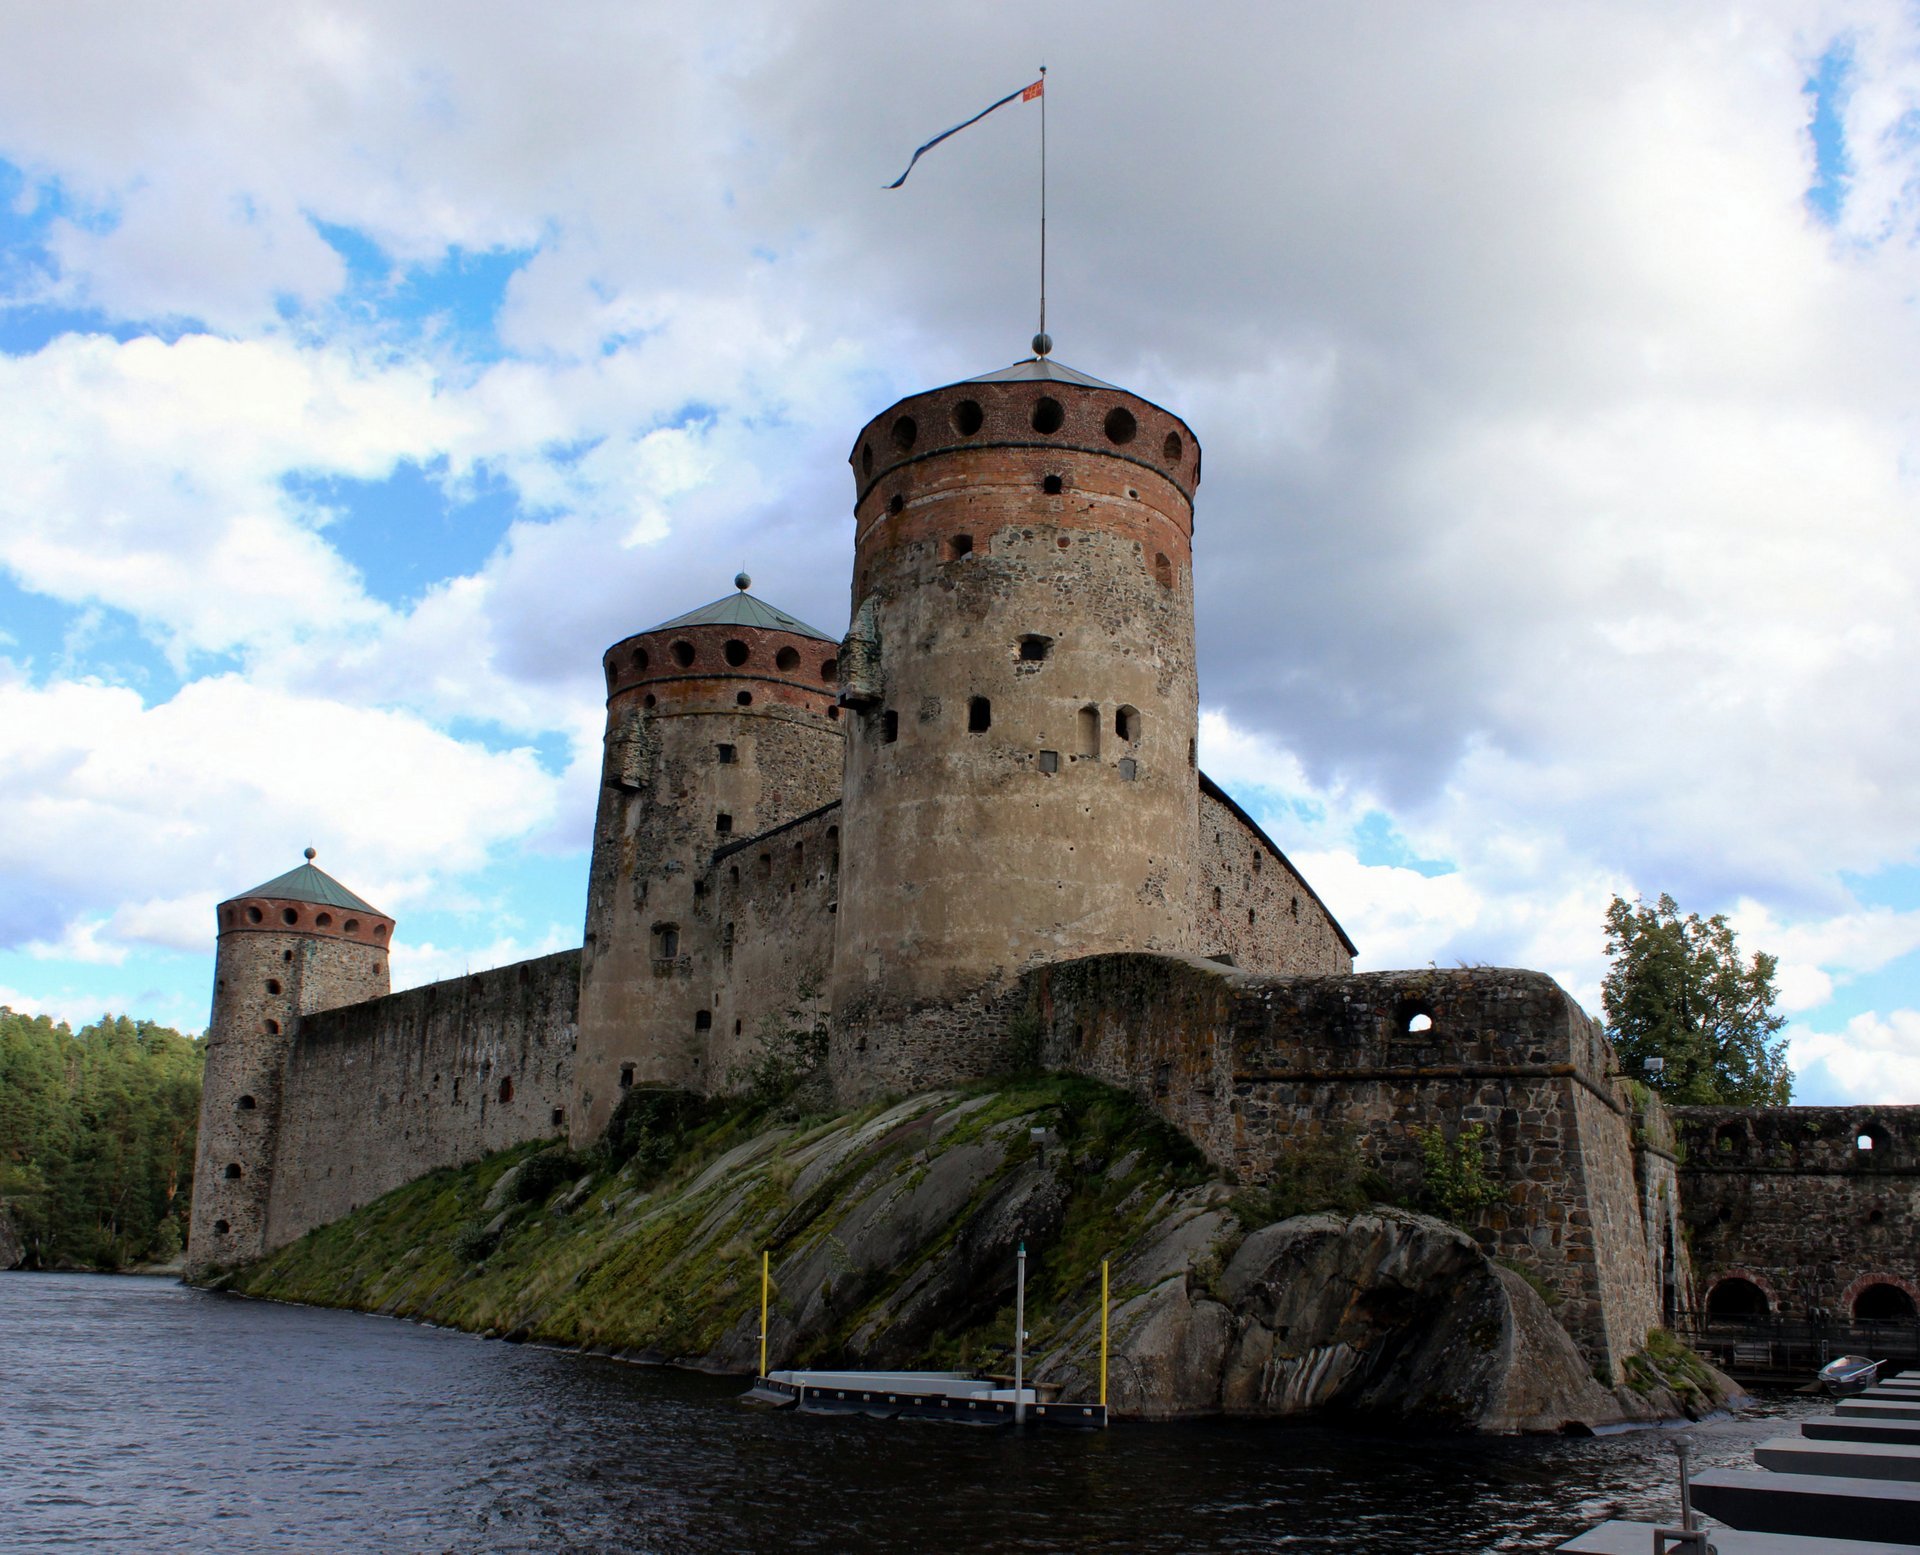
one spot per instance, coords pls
(1044, 369)
(307, 884)
(742, 609)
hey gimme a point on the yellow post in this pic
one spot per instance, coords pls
(763, 1323)
(1103, 1333)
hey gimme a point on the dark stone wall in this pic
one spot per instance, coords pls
(1785, 1198)
(1252, 1067)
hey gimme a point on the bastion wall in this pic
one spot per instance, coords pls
(1251, 1067)
(1818, 1208)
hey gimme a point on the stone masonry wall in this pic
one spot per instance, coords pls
(1252, 904)
(1786, 1198)
(1250, 1067)
(377, 1094)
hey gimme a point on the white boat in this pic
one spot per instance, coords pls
(1849, 1374)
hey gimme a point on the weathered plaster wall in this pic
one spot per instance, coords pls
(377, 1094)
(1786, 1198)
(1250, 903)
(1251, 1066)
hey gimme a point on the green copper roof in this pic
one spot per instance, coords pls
(307, 884)
(1044, 369)
(742, 609)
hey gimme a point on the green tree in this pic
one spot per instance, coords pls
(1679, 991)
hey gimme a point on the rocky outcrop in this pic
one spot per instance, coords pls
(891, 1238)
(13, 1251)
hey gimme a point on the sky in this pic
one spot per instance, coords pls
(366, 369)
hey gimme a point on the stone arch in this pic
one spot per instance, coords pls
(1732, 1293)
(1883, 1293)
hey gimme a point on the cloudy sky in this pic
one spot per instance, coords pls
(366, 368)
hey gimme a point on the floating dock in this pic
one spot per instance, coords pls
(1845, 1484)
(918, 1395)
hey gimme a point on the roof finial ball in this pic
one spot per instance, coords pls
(1042, 343)
(310, 855)
(742, 582)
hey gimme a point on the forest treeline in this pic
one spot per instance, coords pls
(96, 1138)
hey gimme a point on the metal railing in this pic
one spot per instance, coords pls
(1773, 1345)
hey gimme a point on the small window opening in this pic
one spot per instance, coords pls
(506, 1088)
(744, 699)
(1217, 903)
(246, 1104)
(830, 670)
(905, 430)
(1875, 1216)
(324, 919)
(723, 824)
(1126, 723)
(626, 1077)
(221, 1228)
(703, 1020)
(233, 1172)
(1294, 907)
(1129, 769)
(1162, 570)
(787, 660)
(559, 1117)
(889, 726)
(726, 945)
(699, 888)
(1193, 753)
(898, 504)
(1051, 485)
(682, 653)
(1089, 730)
(959, 546)
(273, 1028)
(1249, 917)
(735, 652)
(666, 941)
(733, 874)
(640, 660)
(273, 985)
(1120, 425)
(648, 700)
(1048, 417)
(352, 925)
(968, 417)
(1866, 1140)
(288, 915)
(866, 458)
(254, 915)
(1172, 448)
(833, 713)
(738, 1026)
(979, 715)
(1049, 761)
(1420, 1022)
(766, 866)
(727, 754)
(1035, 648)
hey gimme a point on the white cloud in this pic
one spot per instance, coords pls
(1875, 1059)
(414, 964)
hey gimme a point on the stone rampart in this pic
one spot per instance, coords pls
(1817, 1209)
(379, 1093)
(1253, 1067)
(1252, 904)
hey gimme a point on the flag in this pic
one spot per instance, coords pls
(1026, 94)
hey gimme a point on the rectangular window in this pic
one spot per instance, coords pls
(889, 726)
(723, 824)
(979, 715)
(1049, 761)
(703, 1020)
(1129, 769)
(727, 754)
(626, 1077)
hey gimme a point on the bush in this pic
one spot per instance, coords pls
(1323, 1173)
(650, 1129)
(1455, 1183)
(545, 1172)
(474, 1242)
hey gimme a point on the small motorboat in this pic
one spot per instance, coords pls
(1849, 1374)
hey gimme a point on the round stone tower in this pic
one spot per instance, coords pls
(299, 943)
(1020, 780)
(720, 724)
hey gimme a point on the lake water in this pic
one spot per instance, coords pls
(136, 1414)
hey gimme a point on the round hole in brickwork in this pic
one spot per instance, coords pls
(351, 926)
(735, 652)
(904, 431)
(245, 1104)
(648, 700)
(967, 417)
(221, 1228)
(1875, 1216)
(834, 711)
(787, 659)
(288, 915)
(1120, 425)
(273, 985)
(744, 699)
(866, 458)
(1422, 1022)
(254, 915)
(682, 653)
(898, 504)
(1051, 485)
(233, 1172)
(1173, 448)
(324, 919)
(1048, 417)
(1725, 1215)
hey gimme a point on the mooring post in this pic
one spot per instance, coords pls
(1020, 1336)
(763, 1312)
(1103, 1333)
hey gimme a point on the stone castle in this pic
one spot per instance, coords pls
(972, 832)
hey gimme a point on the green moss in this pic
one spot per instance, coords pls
(1665, 1362)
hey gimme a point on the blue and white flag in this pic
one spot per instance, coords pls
(1026, 94)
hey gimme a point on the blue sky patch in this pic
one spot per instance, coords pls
(1828, 88)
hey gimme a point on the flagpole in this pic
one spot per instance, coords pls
(1041, 344)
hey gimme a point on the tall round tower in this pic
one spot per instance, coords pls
(1020, 780)
(299, 943)
(720, 724)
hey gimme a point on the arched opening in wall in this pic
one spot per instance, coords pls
(640, 660)
(559, 1117)
(787, 660)
(287, 955)
(1048, 417)
(979, 715)
(968, 418)
(889, 727)
(1872, 1137)
(958, 546)
(726, 755)
(626, 1077)
(233, 1172)
(829, 670)
(1120, 425)
(351, 926)
(506, 1088)
(1420, 1023)
(1126, 723)
(703, 1020)
(1876, 1215)
(246, 1104)
(1162, 570)
(221, 1227)
(273, 985)
(379, 931)
(897, 504)
(1413, 1016)
(666, 941)
(904, 432)
(254, 915)
(1883, 1303)
(272, 1027)
(1089, 720)
(1734, 1299)
(1172, 448)
(324, 919)
(1034, 648)
(289, 915)
(1729, 1139)
(833, 713)
(681, 653)
(866, 458)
